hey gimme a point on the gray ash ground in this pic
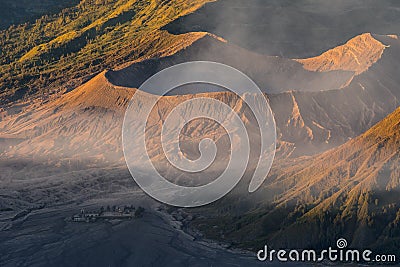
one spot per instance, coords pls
(45, 237)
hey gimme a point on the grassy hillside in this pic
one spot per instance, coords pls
(64, 49)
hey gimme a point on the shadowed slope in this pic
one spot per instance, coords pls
(351, 191)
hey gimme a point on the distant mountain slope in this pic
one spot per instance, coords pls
(292, 29)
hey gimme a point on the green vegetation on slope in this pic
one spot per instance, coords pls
(83, 40)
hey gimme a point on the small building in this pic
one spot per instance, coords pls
(78, 218)
(92, 215)
(115, 215)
